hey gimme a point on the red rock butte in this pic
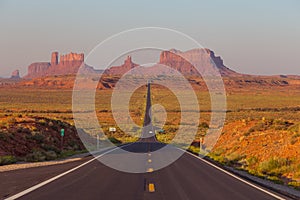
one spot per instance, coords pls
(67, 64)
(125, 67)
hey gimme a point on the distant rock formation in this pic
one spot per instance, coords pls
(54, 58)
(70, 63)
(71, 59)
(183, 61)
(119, 70)
(67, 64)
(38, 69)
(180, 61)
(15, 74)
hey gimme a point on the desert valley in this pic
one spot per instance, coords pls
(261, 133)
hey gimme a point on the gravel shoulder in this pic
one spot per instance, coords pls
(26, 165)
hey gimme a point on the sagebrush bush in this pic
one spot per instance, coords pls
(234, 158)
(50, 155)
(36, 156)
(6, 160)
(39, 137)
(3, 136)
(274, 166)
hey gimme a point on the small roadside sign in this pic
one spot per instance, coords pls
(112, 129)
(62, 132)
(161, 130)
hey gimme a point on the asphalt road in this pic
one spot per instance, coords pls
(187, 178)
(148, 132)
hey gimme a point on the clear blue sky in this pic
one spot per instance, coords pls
(256, 37)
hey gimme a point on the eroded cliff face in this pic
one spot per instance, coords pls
(203, 59)
(38, 69)
(71, 59)
(67, 64)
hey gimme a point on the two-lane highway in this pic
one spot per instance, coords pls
(188, 178)
(148, 133)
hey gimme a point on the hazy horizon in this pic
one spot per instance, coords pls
(257, 37)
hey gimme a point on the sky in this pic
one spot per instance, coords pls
(254, 37)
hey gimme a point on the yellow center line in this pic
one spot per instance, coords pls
(151, 187)
(149, 160)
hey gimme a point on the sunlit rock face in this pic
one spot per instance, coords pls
(67, 64)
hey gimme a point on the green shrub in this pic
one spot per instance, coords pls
(194, 149)
(274, 166)
(42, 121)
(295, 184)
(38, 137)
(275, 179)
(217, 156)
(3, 136)
(218, 152)
(50, 155)
(50, 148)
(68, 153)
(234, 158)
(36, 156)
(6, 160)
(252, 161)
(281, 124)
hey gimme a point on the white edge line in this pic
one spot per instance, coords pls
(236, 177)
(20, 194)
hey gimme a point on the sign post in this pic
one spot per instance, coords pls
(201, 143)
(62, 134)
(98, 142)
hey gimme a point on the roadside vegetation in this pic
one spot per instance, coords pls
(33, 139)
(266, 148)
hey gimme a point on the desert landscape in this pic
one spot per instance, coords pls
(261, 134)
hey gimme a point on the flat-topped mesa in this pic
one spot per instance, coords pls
(67, 64)
(183, 61)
